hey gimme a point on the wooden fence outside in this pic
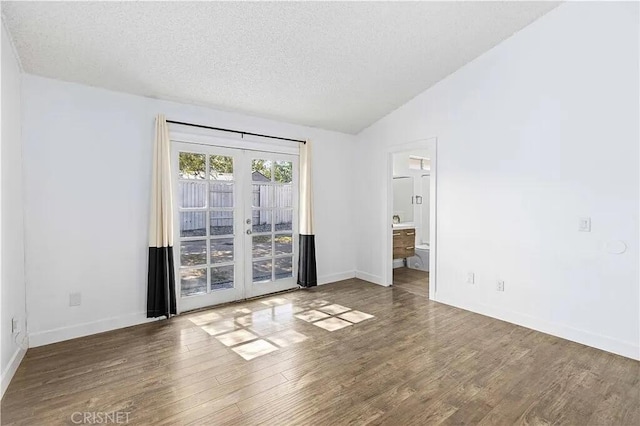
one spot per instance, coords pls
(193, 195)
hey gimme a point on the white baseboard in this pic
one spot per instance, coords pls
(608, 344)
(60, 334)
(55, 335)
(11, 368)
(370, 278)
(326, 279)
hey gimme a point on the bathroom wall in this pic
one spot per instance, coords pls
(424, 183)
(421, 212)
(403, 191)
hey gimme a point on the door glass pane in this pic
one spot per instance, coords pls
(193, 281)
(283, 220)
(221, 250)
(284, 268)
(192, 166)
(261, 246)
(262, 271)
(283, 171)
(221, 222)
(220, 167)
(283, 244)
(220, 194)
(193, 253)
(261, 170)
(221, 277)
(283, 196)
(193, 224)
(192, 194)
(262, 195)
(261, 221)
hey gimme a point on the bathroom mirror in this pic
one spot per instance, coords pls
(402, 198)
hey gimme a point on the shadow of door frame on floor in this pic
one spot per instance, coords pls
(430, 144)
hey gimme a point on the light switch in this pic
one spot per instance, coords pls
(584, 224)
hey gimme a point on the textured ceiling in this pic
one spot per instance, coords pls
(334, 65)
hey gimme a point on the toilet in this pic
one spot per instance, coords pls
(421, 260)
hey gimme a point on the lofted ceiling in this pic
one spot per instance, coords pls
(334, 65)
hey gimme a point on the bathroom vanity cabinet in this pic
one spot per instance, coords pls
(404, 241)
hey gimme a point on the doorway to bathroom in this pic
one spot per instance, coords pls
(411, 213)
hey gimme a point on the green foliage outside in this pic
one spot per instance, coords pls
(220, 164)
(283, 171)
(193, 166)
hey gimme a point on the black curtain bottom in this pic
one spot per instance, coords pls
(161, 284)
(307, 274)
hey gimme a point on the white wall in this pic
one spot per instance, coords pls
(87, 191)
(12, 230)
(536, 133)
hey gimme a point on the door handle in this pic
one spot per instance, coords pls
(248, 221)
(249, 232)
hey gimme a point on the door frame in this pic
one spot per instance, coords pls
(430, 144)
(213, 139)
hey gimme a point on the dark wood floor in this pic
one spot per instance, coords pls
(415, 362)
(411, 280)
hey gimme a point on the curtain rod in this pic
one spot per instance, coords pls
(235, 131)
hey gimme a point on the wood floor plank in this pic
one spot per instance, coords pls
(411, 280)
(414, 362)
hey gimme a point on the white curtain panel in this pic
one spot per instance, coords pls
(306, 190)
(307, 274)
(161, 290)
(161, 226)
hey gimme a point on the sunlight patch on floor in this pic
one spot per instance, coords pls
(252, 333)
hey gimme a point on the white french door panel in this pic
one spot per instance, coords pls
(236, 214)
(208, 225)
(271, 243)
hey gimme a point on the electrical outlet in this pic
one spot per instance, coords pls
(470, 278)
(500, 286)
(75, 299)
(584, 224)
(15, 325)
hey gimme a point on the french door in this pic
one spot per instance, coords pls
(236, 223)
